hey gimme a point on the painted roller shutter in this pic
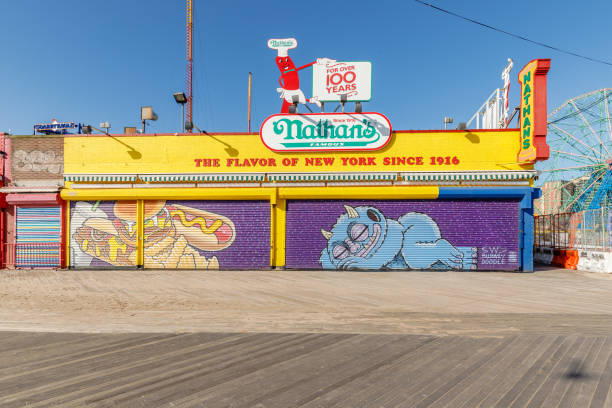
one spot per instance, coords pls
(207, 234)
(403, 234)
(38, 237)
(103, 234)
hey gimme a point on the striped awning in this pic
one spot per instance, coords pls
(468, 176)
(100, 177)
(206, 177)
(412, 177)
(332, 176)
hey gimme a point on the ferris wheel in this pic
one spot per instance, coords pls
(578, 174)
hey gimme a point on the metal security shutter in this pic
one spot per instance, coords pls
(103, 234)
(403, 234)
(207, 234)
(38, 237)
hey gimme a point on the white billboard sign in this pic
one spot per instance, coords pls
(353, 79)
(325, 132)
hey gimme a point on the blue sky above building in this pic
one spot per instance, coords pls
(91, 62)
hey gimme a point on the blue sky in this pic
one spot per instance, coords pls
(91, 61)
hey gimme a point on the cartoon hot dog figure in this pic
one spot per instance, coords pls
(171, 239)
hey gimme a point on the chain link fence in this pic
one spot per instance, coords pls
(588, 229)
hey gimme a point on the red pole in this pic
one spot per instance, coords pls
(3, 204)
(63, 232)
(2, 222)
(189, 61)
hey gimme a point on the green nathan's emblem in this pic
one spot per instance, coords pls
(325, 134)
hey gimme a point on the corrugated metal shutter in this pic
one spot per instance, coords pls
(403, 234)
(38, 237)
(207, 234)
(103, 234)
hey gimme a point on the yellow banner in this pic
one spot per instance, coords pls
(245, 153)
(527, 151)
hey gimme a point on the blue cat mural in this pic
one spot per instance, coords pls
(364, 238)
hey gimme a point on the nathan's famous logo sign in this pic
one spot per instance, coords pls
(527, 78)
(326, 131)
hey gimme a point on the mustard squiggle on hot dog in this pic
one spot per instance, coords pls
(197, 220)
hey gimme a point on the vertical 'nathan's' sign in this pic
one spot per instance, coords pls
(325, 132)
(533, 111)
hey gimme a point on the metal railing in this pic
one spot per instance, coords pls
(588, 229)
(490, 114)
(33, 255)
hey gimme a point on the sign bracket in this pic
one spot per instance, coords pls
(343, 100)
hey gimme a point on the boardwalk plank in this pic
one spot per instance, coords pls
(402, 373)
(580, 377)
(602, 397)
(594, 373)
(462, 377)
(560, 376)
(314, 370)
(530, 382)
(304, 372)
(466, 388)
(530, 346)
(128, 375)
(64, 382)
(198, 376)
(363, 386)
(554, 374)
(488, 387)
(378, 359)
(88, 347)
(87, 362)
(447, 376)
(439, 363)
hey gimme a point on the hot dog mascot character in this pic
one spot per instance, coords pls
(290, 80)
(173, 234)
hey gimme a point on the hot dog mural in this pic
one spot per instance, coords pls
(176, 235)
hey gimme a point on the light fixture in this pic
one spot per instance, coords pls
(181, 99)
(105, 126)
(447, 120)
(146, 113)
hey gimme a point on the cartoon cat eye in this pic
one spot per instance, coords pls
(340, 251)
(358, 232)
(373, 216)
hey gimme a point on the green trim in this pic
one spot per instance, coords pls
(332, 177)
(100, 177)
(475, 176)
(469, 176)
(203, 177)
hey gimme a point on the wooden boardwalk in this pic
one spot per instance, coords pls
(303, 370)
(305, 339)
